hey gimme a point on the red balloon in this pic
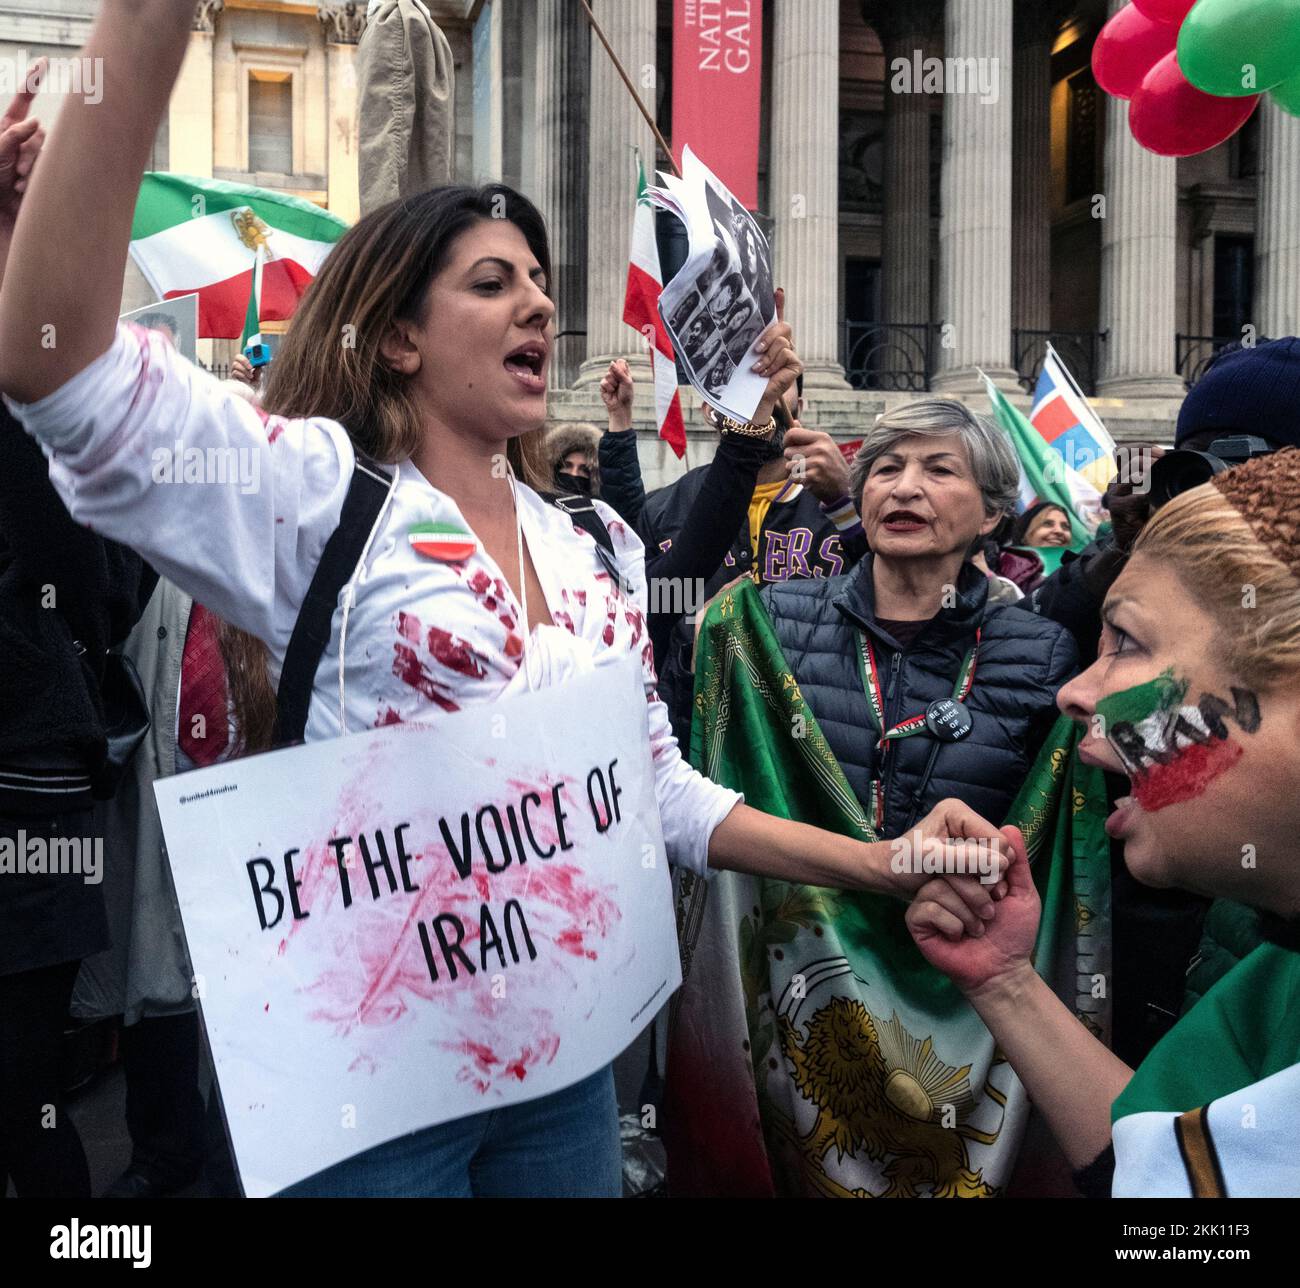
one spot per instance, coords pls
(1129, 46)
(1170, 116)
(1165, 10)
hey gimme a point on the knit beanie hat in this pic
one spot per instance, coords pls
(1248, 391)
(1266, 493)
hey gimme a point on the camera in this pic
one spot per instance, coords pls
(1179, 471)
(258, 355)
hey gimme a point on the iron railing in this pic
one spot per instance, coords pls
(1193, 353)
(894, 357)
(1079, 350)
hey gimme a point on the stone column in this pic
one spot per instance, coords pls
(1031, 145)
(616, 126)
(190, 112)
(905, 28)
(975, 220)
(560, 119)
(488, 80)
(805, 180)
(1277, 233)
(1139, 262)
(343, 25)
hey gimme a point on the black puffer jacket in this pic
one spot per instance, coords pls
(620, 475)
(1023, 660)
(798, 540)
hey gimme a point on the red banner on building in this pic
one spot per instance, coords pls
(717, 85)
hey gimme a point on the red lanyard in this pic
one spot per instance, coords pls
(904, 728)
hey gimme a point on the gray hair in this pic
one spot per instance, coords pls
(992, 459)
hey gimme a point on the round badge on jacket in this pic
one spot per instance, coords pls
(948, 720)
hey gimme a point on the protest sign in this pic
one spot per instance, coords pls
(721, 299)
(177, 318)
(410, 925)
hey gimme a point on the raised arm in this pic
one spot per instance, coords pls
(61, 293)
(620, 469)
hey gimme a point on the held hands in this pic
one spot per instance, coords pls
(21, 140)
(616, 391)
(979, 957)
(954, 839)
(777, 361)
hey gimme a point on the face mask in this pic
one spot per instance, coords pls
(570, 483)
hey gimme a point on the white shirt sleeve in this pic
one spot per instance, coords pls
(690, 805)
(231, 504)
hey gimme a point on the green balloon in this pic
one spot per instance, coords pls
(1287, 96)
(1238, 47)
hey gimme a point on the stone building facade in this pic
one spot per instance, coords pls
(922, 236)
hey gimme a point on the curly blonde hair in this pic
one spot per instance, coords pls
(1223, 541)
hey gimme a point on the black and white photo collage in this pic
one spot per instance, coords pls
(730, 302)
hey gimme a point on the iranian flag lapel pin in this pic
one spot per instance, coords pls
(444, 542)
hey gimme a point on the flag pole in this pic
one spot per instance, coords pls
(631, 89)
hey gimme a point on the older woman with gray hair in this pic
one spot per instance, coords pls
(922, 689)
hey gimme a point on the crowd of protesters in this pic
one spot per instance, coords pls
(902, 579)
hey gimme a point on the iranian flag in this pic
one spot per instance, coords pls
(645, 283)
(204, 235)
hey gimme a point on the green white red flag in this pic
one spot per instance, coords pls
(645, 283)
(204, 235)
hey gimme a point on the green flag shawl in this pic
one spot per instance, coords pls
(1242, 1037)
(812, 1050)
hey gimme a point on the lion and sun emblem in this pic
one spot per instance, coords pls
(253, 231)
(883, 1092)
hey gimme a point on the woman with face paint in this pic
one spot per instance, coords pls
(1196, 697)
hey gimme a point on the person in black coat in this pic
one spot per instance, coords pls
(772, 507)
(66, 597)
(911, 626)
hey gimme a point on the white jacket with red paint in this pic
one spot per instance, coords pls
(421, 636)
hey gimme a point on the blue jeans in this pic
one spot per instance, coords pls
(561, 1146)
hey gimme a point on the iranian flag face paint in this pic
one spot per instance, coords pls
(1173, 750)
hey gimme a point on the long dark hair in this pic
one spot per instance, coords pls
(329, 364)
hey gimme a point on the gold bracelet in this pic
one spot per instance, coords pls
(741, 428)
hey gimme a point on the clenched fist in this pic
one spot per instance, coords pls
(616, 391)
